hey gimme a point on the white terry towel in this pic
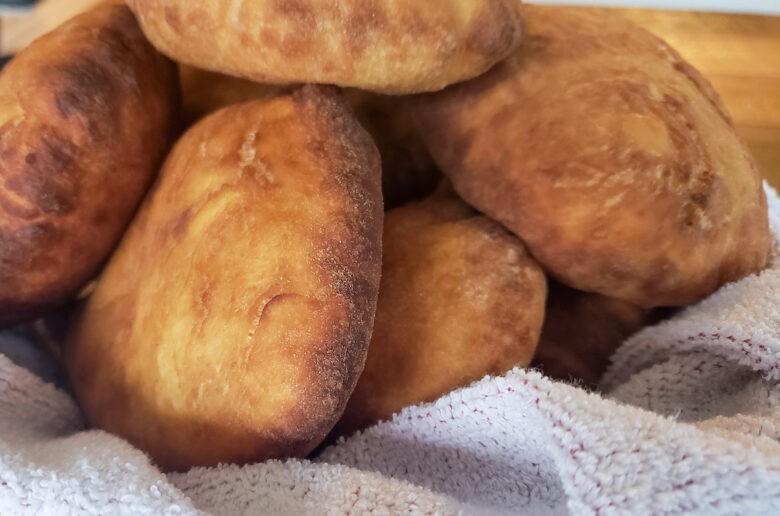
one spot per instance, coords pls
(688, 423)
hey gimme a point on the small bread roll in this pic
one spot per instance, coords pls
(459, 299)
(391, 46)
(610, 156)
(86, 114)
(233, 321)
(581, 332)
(408, 171)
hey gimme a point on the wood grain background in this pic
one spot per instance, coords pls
(740, 54)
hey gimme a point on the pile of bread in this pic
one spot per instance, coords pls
(255, 300)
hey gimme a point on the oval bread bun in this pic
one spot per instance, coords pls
(86, 114)
(392, 46)
(611, 157)
(233, 321)
(459, 299)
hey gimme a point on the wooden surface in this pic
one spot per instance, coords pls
(740, 54)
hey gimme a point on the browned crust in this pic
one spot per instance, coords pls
(86, 116)
(352, 264)
(611, 157)
(460, 298)
(233, 321)
(392, 46)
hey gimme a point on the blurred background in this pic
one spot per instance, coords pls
(735, 44)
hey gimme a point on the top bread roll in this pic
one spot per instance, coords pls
(391, 46)
(610, 156)
(86, 113)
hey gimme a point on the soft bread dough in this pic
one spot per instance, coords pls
(393, 46)
(459, 299)
(610, 156)
(232, 323)
(86, 115)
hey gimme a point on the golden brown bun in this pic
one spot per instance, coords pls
(392, 46)
(408, 171)
(203, 92)
(233, 321)
(86, 113)
(611, 157)
(582, 330)
(459, 299)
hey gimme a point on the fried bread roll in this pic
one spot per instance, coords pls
(233, 321)
(392, 46)
(610, 156)
(582, 330)
(459, 299)
(86, 114)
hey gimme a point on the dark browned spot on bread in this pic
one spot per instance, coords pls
(86, 92)
(86, 88)
(49, 179)
(701, 188)
(116, 46)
